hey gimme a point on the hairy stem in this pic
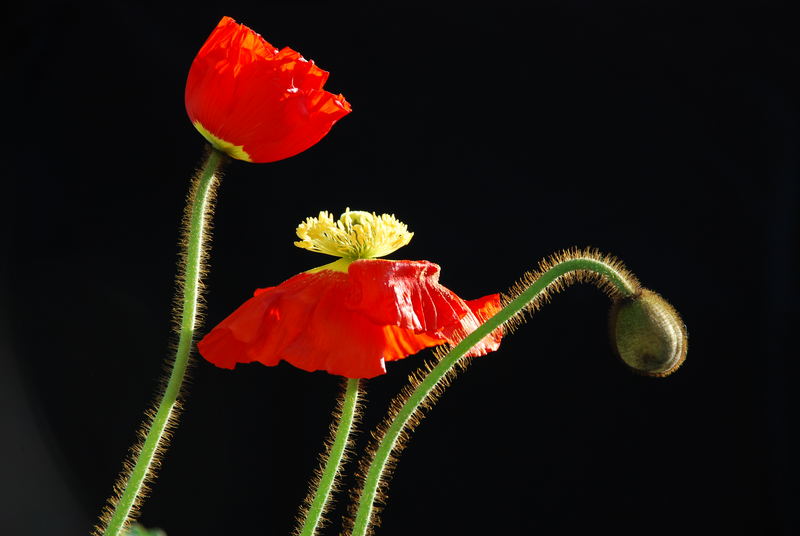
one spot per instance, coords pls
(319, 499)
(139, 468)
(607, 273)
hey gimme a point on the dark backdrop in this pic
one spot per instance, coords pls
(667, 136)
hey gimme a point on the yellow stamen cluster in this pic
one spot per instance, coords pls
(356, 235)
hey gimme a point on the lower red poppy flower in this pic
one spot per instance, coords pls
(349, 323)
(349, 317)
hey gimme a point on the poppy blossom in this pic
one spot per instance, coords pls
(255, 102)
(350, 316)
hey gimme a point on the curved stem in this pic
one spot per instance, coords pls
(347, 410)
(624, 285)
(198, 213)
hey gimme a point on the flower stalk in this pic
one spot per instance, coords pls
(319, 499)
(534, 288)
(139, 467)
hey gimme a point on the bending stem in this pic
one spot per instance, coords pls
(387, 444)
(198, 214)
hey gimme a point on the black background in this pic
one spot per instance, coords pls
(667, 136)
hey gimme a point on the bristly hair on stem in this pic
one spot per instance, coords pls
(185, 243)
(339, 444)
(622, 283)
(406, 411)
(153, 436)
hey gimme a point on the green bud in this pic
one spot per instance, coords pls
(647, 333)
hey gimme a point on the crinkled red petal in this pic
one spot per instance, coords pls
(408, 294)
(246, 92)
(483, 309)
(403, 293)
(348, 324)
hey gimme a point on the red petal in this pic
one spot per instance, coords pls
(246, 92)
(406, 294)
(401, 343)
(302, 321)
(348, 323)
(483, 309)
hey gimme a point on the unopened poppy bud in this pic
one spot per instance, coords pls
(648, 334)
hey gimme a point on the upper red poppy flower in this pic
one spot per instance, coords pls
(351, 316)
(255, 102)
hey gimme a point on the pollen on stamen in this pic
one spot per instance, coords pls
(355, 235)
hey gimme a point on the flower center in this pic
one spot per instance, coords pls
(356, 235)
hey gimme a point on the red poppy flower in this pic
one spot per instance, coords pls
(351, 316)
(255, 102)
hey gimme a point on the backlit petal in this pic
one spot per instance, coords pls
(248, 94)
(350, 323)
(405, 294)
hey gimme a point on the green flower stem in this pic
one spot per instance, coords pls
(321, 496)
(378, 466)
(198, 214)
